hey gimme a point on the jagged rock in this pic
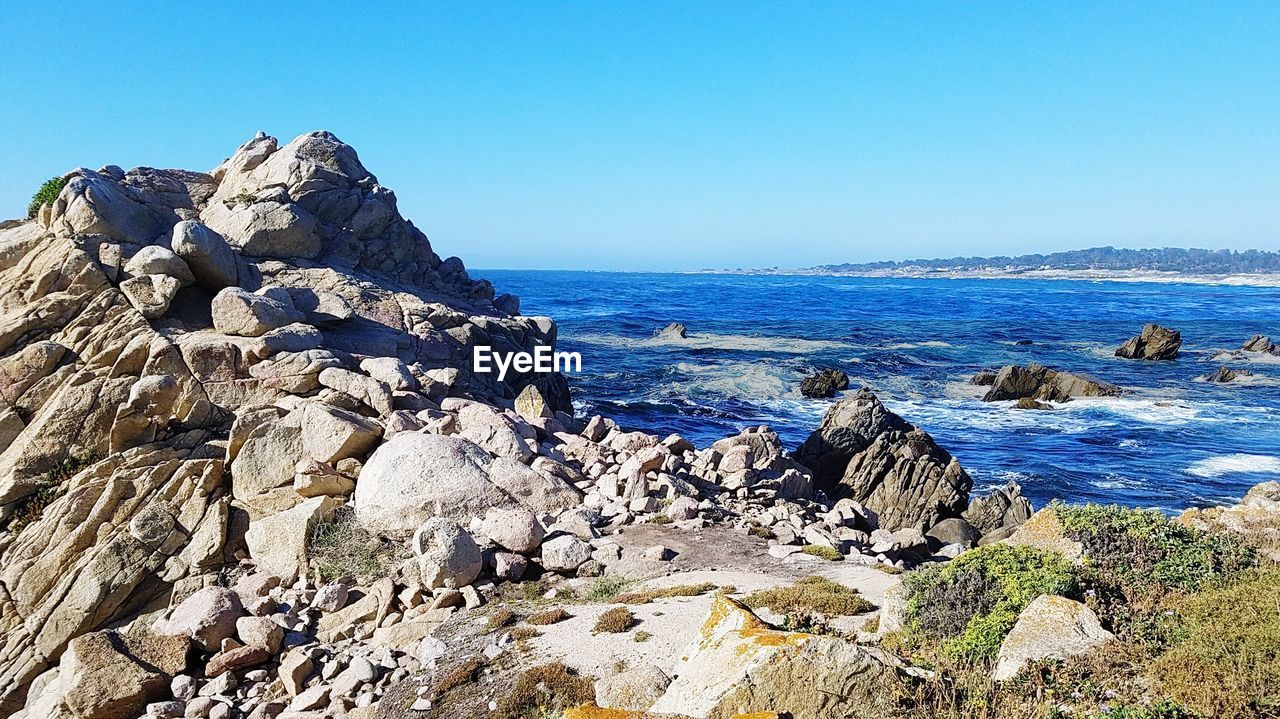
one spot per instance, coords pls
(1039, 382)
(414, 477)
(847, 428)
(158, 260)
(1154, 343)
(824, 383)
(737, 664)
(366, 390)
(1259, 343)
(266, 224)
(208, 257)
(1028, 403)
(447, 555)
(494, 431)
(531, 405)
(1224, 375)
(1003, 507)
(150, 294)
(330, 434)
(1050, 627)
(245, 314)
(985, 378)
(673, 331)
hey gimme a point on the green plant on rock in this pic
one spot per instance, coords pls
(822, 551)
(49, 488)
(969, 605)
(48, 192)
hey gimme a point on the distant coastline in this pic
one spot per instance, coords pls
(1252, 268)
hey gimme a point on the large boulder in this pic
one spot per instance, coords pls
(447, 555)
(150, 294)
(847, 428)
(107, 675)
(414, 477)
(207, 616)
(1003, 507)
(517, 530)
(159, 260)
(278, 543)
(209, 258)
(237, 312)
(1036, 381)
(1154, 343)
(738, 664)
(864, 452)
(1050, 627)
(1255, 520)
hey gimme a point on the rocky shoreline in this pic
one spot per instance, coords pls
(246, 470)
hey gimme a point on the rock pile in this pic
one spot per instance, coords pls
(1037, 382)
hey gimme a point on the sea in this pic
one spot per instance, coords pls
(1172, 441)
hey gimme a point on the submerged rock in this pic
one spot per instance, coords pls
(673, 331)
(1154, 343)
(1226, 374)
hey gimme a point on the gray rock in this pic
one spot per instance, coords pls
(150, 294)
(632, 690)
(241, 313)
(158, 260)
(209, 258)
(447, 555)
(564, 553)
(414, 477)
(1154, 343)
(1039, 382)
(517, 530)
(1050, 627)
(208, 616)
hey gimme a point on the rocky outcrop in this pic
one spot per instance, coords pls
(866, 453)
(673, 331)
(824, 383)
(1255, 520)
(1224, 375)
(1037, 382)
(1153, 343)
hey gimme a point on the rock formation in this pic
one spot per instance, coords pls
(1154, 343)
(824, 383)
(1037, 382)
(1259, 343)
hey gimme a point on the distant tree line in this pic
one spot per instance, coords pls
(1166, 259)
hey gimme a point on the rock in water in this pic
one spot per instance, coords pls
(1259, 343)
(864, 452)
(1226, 374)
(824, 383)
(1050, 627)
(1042, 383)
(673, 331)
(1155, 343)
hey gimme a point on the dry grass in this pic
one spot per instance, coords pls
(459, 675)
(811, 595)
(521, 634)
(822, 551)
(340, 547)
(888, 569)
(549, 616)
(648, 595)
(761, 531)
(615, 620)
(502, 617)
(642, 636)
(545, 691)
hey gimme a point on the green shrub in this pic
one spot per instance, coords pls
(605, 588)
(48, 192)
(971, 603)
(1134, 557)
(810, 595)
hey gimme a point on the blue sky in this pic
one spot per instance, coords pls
(657, 135)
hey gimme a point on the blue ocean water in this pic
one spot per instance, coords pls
(1170, 442)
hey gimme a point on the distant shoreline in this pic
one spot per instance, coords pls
(1261, 279)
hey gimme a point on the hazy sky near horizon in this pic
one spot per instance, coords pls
(663, 135)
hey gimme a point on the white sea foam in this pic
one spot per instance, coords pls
(1235, 464)
(753, 381)
(701, 341)
(917, 345)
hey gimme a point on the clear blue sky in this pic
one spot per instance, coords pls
(658, 135)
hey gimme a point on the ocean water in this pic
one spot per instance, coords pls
(1170, 442)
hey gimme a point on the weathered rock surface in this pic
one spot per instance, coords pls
(1260, 343)
(1038, 382)
(824, 383)
(1153, 343)
(1050, 627)
(738, 664)
(1255, 520)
